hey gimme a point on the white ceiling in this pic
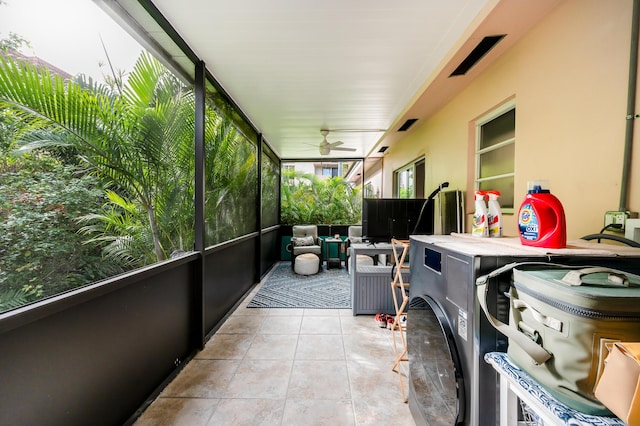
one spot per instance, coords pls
(356, 67)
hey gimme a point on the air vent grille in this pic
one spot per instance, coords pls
(405, 126)
(485, 45)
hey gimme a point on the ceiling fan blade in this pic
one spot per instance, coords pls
(342, 149)
(336, 143)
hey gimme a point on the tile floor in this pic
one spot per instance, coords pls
(287, 367)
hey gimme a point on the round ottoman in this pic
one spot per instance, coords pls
(363, 259)
(306, 264)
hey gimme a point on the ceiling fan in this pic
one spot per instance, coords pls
(326, 147)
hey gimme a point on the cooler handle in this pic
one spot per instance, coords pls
(614, 277)
(535, 351)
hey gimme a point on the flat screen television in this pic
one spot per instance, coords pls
(387, 218)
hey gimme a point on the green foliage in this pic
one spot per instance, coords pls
(132, 197)
(139, 141)
(307, 199)
(270, 186)
(40, 252)
(230, 181)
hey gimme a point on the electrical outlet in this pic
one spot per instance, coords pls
(616, 220)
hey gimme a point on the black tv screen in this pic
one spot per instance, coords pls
(387, 218)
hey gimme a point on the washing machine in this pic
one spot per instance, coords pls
(447, 332)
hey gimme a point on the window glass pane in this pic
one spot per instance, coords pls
(405, 183)
(497, 162)
(505, 186)
(270, 183)
(230, 174)
(318, 193)
(114, 191)
(499, 129)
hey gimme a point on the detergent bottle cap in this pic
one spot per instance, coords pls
(480, 195)
(493, 194)
(538, 187)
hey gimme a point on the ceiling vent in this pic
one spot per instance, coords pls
(485, 45)
(383, 149)
(407, 124)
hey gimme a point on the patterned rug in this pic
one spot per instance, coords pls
(328, 289)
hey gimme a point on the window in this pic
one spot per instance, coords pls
(409, 180)
(495, 152)
(330, 171)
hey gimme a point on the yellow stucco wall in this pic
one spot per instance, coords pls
(569, 78)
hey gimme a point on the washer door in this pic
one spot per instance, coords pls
(436, 385)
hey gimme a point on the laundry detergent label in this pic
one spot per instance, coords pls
(528, 223)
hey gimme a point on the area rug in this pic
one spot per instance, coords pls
(328, 289)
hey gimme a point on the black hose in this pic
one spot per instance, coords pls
(429, 198)
(612, 238)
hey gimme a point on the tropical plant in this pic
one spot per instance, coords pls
(306, 198)
(139, 140)
(230, 180)
(134, 140)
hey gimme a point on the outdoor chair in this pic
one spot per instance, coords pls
(354, 236)
(305, 240)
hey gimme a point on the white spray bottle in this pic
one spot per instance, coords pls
(480, 225)
(494, 214)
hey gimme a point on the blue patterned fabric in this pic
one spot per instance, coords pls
(565, 415)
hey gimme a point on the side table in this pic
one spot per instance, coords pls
(334, 261)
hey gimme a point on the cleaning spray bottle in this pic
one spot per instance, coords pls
(541, 219)
(480, 225)
(494, 214)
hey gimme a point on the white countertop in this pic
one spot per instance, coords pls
(511, 246)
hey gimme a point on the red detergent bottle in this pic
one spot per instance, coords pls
(541, 219)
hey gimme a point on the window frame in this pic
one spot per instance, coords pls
(478, 151)
(411, 167)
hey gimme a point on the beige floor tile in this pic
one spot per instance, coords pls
(322, 312)
(320, 347)
(248, 412)
(280, 325)
(260, 379)
(241, 324)
(244, 310)
(360, 324)
(269, 366)
(226, 346)
(318, 413)
(288, 312)
(319, 380)
(367, 375)
(381, 412)
(273, 346)
(202, 378)
(178, 412)
(376, 348)
(321, 325)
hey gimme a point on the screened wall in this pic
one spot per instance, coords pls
(139, 206)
